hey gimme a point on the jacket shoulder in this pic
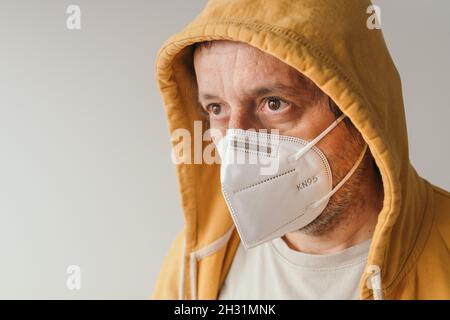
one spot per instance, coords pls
(442, 213)
(430, 276)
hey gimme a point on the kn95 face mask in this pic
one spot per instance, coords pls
(274, 184)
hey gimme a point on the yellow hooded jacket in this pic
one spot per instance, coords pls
(330, 43)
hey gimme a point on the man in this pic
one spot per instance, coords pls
(345, 215)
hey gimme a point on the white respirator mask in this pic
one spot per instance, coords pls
(275, 184)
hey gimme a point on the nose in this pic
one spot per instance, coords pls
(240, 119)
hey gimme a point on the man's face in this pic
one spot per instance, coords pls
(242, 87)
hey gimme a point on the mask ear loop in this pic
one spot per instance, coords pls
(339, 185)
(313, 142)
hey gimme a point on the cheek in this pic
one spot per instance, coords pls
(307, 123)
(342, 150)
(291, 128)
(220, 125)
(218, 128)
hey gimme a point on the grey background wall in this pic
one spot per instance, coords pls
(85, 170)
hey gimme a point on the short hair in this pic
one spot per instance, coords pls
(203, 44)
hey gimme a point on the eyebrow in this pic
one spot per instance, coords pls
(259, 91)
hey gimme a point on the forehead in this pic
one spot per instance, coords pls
(238, 58)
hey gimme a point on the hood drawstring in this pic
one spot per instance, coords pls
(196, 256)
(374, 281)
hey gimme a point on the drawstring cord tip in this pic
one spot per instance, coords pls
(374, 281)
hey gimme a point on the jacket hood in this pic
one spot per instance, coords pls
(330, 43)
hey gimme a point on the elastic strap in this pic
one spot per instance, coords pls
(313, 142)
(341, 183)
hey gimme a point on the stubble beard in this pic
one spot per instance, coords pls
(337, 213)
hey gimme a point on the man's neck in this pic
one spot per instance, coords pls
(357, 226)
(337, 240)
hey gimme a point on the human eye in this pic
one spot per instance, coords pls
(275, 105)
(214, 108)
(216, 111)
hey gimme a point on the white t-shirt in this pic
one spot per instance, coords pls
(274, 271)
